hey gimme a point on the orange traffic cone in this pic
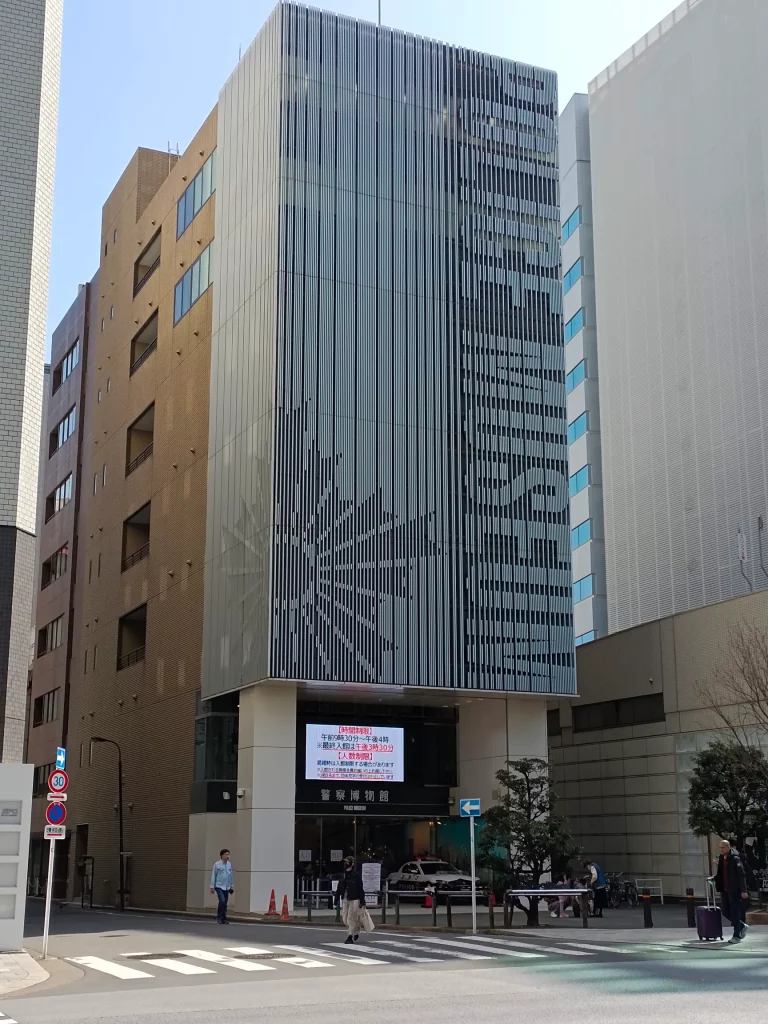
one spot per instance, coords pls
(272, 912)
(284, 916)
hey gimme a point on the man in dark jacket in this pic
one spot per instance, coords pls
(351, 895)
(731, 882)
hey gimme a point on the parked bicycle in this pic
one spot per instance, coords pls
(621, 890)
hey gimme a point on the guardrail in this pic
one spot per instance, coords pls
(511, 899)
(141, 457)
(137, 556)
(132, 658)
(654, 886)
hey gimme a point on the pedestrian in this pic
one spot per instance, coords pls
(221, 884)
(731, 882)
(599, 887)
(352, 896)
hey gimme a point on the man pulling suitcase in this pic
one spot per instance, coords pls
(731, 882)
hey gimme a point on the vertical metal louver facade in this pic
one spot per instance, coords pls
(389, 499)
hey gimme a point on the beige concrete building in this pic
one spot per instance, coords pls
(622, 752)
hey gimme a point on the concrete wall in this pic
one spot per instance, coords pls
(625, 790)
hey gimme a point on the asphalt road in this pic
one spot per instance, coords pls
(154, 970)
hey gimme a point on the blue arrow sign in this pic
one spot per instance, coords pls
(469, 807)
(61, 757)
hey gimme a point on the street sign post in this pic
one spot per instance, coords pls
(469, 807)
(55, 815)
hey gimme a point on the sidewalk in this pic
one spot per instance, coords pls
(19, 971)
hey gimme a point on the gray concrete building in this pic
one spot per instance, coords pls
(677, 131)
(590, 614)
(30, 45)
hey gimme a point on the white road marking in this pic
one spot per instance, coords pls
(341, 956)
(602, 949)
(297, 961)
(499, 950)
(431, 949)
(225, 961)
(528, 945)
(248, 950)
(390, 953)
(107, 967)
(179, 966)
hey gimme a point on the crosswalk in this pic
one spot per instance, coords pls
(371, 951)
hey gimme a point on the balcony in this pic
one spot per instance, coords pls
(132, 638)
(140, 440)
(136, 537)
(146, 264)
(144, 344)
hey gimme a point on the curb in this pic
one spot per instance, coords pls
(36, 975)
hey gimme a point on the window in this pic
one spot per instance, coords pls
(147, 263)
(62, 431)
(574, 325)
(131, 637)
(46, 708)
(585, 638)
(571, 224)
(140, 440)
(40, 781)
(114, 235)
(85, 663)
(109, 384)
(98, 395)
(95, 481)
(54, 566)
(111, 312)
(579, 480)
(95, 649)
(582, 588)
(90, 570)
(104, 475)
(553, 722)
(98, 566)
(144, 343)
(50, 637)
(57, 499)
(102, 325)
(577, 428)
(581, 534)
(614, 714)
(136, 537)
(65, 367)
(197, 280)
(573, 275)
(196, 195)
(216, 731)
(576, 376)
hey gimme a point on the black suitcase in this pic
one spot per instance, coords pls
(709, 920)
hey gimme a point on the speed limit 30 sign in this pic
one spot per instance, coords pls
(58, 781)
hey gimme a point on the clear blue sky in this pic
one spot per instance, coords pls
(146, 72)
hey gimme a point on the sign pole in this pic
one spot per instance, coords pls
(48, 898)
(472, 859)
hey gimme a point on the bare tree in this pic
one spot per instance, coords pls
(738, 692)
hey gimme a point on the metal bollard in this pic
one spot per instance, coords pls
(448, 912)
(338, 913)
(434, 909)
(490, 912)
(507, 917)
(309, 908)
(647, 912)
(584, 904)
(397, 909)
(384, 906)
(690, 907)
